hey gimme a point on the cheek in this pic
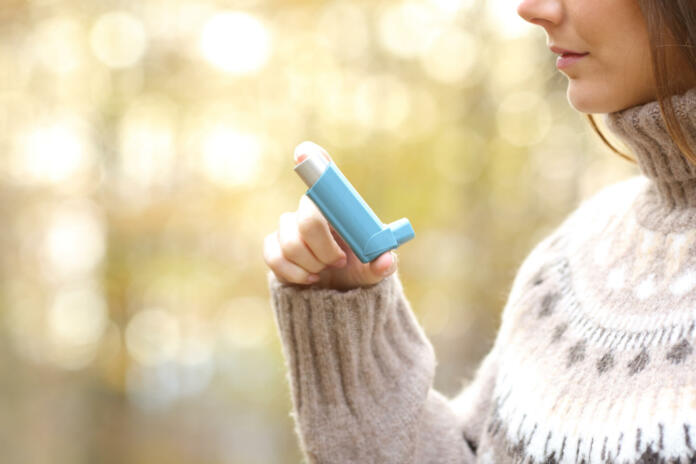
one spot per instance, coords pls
(636, 50)
(611, 83)
(620, 72)
(587, 21)
(632, 68)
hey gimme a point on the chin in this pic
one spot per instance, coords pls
(589, 100)
(601, 98)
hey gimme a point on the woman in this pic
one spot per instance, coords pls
(594, 360)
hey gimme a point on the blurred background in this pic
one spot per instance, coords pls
(146, 150)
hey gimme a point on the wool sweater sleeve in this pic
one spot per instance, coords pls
(361, 370)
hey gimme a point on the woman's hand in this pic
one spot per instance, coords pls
(305, 249)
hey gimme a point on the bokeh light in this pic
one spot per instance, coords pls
(451, 57)
(452, 6)
(381, 102)
(344, 28)
(118, 39)
(76, 321)
(148, 142)
(153, 387)
(236, 42)
(504, 20)
(74, 242)
(54, 151)
(153, 336)
(59, 44)
(523, 118)
(408, 29)
(244, 323)
(231, 158)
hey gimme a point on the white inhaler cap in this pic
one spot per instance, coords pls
(311, 168)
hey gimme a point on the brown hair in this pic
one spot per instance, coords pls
(672, 32)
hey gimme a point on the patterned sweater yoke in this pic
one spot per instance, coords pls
(593, 362)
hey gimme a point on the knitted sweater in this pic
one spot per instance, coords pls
(593, 362)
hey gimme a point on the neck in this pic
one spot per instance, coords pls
(644, 131)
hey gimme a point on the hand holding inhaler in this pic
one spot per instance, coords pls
(308, 248)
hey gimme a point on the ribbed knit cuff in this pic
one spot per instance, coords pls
(359, 366)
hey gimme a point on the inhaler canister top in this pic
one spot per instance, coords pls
(311, 169)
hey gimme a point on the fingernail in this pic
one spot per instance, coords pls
(313, 278)
(391, 267)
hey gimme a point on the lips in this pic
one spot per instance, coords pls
(567, 57)
(563, 51)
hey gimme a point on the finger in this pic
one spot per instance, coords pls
(306, 148)
(384, 265)
(343, 245)
(315, 232)
(285, 271)
(293, 247)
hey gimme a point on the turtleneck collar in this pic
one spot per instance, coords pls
(643, 130)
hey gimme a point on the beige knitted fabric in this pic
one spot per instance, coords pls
(593, 362)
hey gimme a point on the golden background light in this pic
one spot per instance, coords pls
(76, 320)
(118, 39)
(523, 118)
(147, 141)
(504, 20)
(230, 157)
(58, 44)
(236, 42)
(152, 336)
(74, 241)
(53, 151)
(409, 28)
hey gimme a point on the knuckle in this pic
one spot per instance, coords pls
(286, 218)
(291, 248)
(273, 260)
(316, 267)
(296, 275)
(283, 239)
(334, 251)
(335, 254)
(310, 224)
(274, 263)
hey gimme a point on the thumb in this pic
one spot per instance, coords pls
(306, 148)
(384, 265)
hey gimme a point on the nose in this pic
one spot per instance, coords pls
(544, 13)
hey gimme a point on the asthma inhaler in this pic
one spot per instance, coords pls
(347, 212)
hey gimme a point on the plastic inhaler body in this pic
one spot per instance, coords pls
(348, 213)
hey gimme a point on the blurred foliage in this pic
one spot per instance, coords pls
(147, 150)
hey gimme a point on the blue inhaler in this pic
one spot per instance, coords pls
(347, 212)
